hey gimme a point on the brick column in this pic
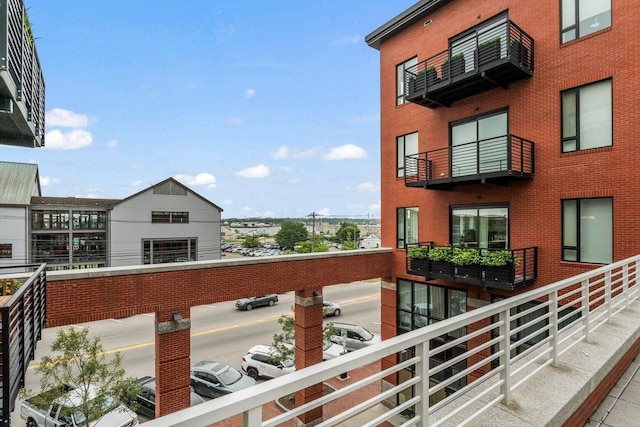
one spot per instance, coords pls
(173, 362)
(308, 333)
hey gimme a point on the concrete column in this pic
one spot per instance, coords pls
(173, 361)
(308, 333)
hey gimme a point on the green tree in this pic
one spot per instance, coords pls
(251, 242)
(305, 247)
(290, 233)
(348, 232)
(81, 363)
(283, 341)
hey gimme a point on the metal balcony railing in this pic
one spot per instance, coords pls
(506, 345)
(492, 55)
(23, 316)
(520, 269)
(499, 158)
(22, 90)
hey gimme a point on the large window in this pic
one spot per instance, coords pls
(50, 220)
(89, 220)
(587, 117)
(400, 82)
(165, 217)
(484, 227)
(582, 17)
(6, 250)
(407, 219)
(406, 145)
(161, 251)
(587, 230)
(479, 145)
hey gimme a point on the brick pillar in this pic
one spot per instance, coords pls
(173, 362)
(308, 333)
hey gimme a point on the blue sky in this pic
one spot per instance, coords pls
(266, 108)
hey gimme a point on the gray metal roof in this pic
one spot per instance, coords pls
(408, 17)
(18, 183)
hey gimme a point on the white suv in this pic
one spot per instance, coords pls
(259, 362)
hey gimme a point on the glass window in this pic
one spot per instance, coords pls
(587, 230)
(401, 86)
(407, 219)
(50, 248)
(587, 117)
(407, 145)
(583, 17)
(180, 217)
(479, 145)
(89, 220)
(163, 251)
(50, 220)
(6, 250)
(161, 217)
(482, 227)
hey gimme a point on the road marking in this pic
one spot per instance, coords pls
(213, 331)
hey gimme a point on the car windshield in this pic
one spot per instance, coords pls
(366, 335)
(107, 404)
(288, 363)
(229, 375)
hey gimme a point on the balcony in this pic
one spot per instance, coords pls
(490, 56)
(490, 268)
(538, 356)
(21, 80)
(499, 159)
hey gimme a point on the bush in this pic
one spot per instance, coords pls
(465, 256)
(417, 253)
(440, 253)
(498, 258)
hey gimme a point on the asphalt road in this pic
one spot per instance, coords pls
(218, 332)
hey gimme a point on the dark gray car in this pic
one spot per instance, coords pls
(147, 397)
(214, 379)
(259, 301)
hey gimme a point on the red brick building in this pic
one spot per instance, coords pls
(505, 126)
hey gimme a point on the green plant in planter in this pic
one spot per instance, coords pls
(417, 253)
(498, 258)
(440, 253)
(456, 56)
(490, 41)
(465, 256)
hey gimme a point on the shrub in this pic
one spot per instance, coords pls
(465, 256)
(440, 253)
(498, 258)
(417, 253)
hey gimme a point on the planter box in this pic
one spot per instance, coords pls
(503, 275)
(419, 266)
(440, 270)
(467, 273)
(456, 66)
(422, 81)
(488, 53)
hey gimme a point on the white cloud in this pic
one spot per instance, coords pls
(46, 180)
(346, 40)
(72, 140)
(112, 143)
(198, 180)
(324, 212)
(246, 209)
(287, 169)
(268, 214)
(59, 117)
(249, 93)
(347, 151)
(281, 154)
(375, 207)
(285, 152)
(367, 187)
(234, 120)
(227, 202)
(260, 171)
(136, 183)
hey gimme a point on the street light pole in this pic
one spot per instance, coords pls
(313, 230)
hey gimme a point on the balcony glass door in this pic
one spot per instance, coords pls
(479, 146)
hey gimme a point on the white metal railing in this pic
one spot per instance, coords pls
(504, 346)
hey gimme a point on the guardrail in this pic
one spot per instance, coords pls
(23, 316)
(500, 347)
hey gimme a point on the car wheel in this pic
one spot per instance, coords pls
(31, 423)
(271, 302)
(253, 373)
(249, 307)
(336, 312)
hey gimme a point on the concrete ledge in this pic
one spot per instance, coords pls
(552, 396)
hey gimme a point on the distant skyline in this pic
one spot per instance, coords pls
(267, 109)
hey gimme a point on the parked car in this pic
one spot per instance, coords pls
(260, 362)
(63, 411)
(331, 309)
(354, 336)
(259, 301)
(214, 379)
(147, 397)
(330, 350)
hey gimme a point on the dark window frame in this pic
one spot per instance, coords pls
(400, 95)
(575, 28)
(6, 250)
(401, 241)
(578, 247)
(402, 169)
(576, 137)
(478, 207)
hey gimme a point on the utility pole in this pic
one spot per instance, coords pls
(313, 230)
